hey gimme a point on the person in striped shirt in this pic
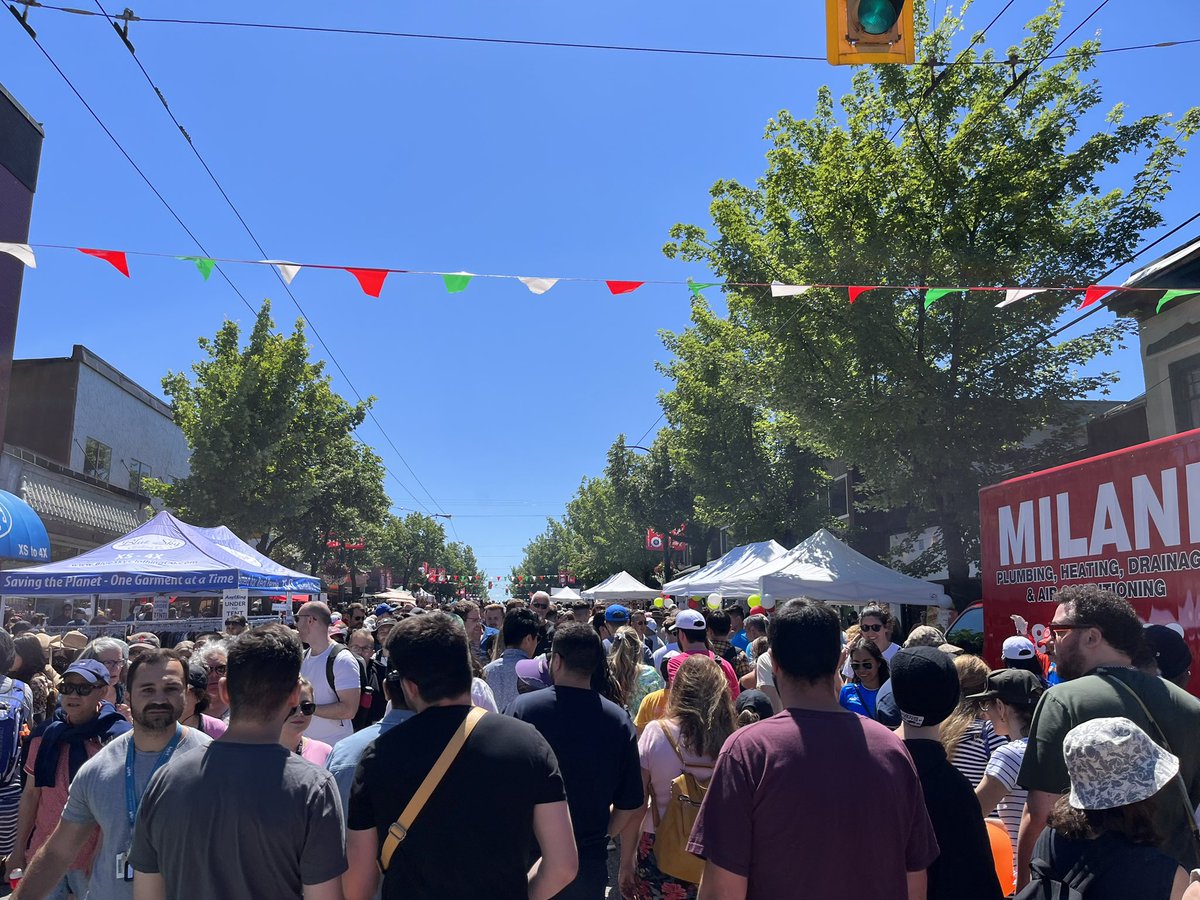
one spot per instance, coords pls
(1008, 703)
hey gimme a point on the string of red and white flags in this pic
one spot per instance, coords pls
(371, 280)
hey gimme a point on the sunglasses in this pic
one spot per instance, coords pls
(307, 707)
(1059, 630)
(540, 605)
(216, 670)
(866, 665)
(871, 627)
(67, 689)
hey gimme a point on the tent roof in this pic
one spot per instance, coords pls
(565, 593)
(621, 586)
(823, 568)
(162, 556)
(730, 574)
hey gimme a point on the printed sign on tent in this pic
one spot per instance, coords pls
(234, 602)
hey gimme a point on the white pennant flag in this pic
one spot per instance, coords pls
(788, 290)
(23, 252)
(538, 285)
(287, 270)
(1012, 295)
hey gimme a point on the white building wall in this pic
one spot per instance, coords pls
(134, 430)
(1160, 410)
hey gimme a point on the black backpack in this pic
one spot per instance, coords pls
(1045, 884)
(366, 695)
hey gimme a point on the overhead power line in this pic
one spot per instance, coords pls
(199, 244)
(128, 17)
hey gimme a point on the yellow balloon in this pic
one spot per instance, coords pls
(754, 600)
(658, 603)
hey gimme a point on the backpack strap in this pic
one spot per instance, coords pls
(399, 829)
(1162, 741)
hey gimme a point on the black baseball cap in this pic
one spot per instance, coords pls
(925, 685)
(1016, 687)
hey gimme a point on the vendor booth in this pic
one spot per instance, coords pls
(163, 558)
(824, 568)
(731, 575)
(621, 586)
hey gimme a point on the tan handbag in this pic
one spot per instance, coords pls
(672, 833)
(399, 829)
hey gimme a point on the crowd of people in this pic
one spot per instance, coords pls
(507, 750)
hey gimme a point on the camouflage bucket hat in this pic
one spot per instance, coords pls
(1114, 763)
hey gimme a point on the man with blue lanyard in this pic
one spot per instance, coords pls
(106, 792)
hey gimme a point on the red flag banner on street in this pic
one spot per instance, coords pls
(857, 290)
(1095, 293)
(115, 257)
(623, 287)
(654, 540)
(370, 280)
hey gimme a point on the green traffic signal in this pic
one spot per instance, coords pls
(878, 16)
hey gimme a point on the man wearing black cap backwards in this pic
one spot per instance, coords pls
(925, 685)
(785, 777)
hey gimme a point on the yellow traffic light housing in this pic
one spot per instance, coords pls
(870, 31)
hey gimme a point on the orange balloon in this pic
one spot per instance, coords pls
(1002, 854)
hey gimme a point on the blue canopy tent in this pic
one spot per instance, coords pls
(22, 534)
(163, 556)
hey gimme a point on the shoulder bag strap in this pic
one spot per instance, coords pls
(399, 829)
(1188, 809)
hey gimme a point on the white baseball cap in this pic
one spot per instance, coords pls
(1018, 647)
(689, 620)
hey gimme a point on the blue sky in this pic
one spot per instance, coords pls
(447, 156)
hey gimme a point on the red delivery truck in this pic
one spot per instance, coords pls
(1128, 521)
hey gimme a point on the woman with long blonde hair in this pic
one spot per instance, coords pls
(969, 738)
(634, 679)
(699, 717)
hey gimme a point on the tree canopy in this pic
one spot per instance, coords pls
(986, 177)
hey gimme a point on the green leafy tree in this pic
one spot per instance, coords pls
(752, 467)
(273, 452)
(405, 544)
(988, 180)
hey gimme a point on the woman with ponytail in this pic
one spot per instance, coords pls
(634, 679)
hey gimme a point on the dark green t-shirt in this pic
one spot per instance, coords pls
(1093, 696)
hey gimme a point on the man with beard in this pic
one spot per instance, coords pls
(100, 797)
(1097, 636)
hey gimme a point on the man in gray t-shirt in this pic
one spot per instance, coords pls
(98, 793)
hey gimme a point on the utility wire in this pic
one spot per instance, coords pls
(129, 17)
(253, 237)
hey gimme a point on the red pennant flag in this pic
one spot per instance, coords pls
(858, 290)
(116, 257)
(624, 287)
(370, 280)
(1095, 293)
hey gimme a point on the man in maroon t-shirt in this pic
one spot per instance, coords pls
(779, 787)
(691, 631)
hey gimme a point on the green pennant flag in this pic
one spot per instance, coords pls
(697, 288)
(204, 266)
(1171, 295)
(456, 283)
(937, 294)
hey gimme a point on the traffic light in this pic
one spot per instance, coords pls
(870, 31)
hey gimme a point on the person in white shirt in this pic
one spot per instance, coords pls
(337, 696)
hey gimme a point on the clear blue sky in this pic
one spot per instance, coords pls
(447, 156)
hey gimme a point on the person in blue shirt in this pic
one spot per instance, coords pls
(870, 672)
(347, 752)
(737, 625)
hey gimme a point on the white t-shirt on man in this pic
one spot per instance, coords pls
(345, 677)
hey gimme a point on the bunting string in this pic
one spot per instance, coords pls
(371, 280)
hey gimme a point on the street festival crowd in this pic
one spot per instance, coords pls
(456, 751)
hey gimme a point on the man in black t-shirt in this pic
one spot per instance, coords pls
(526, 807)
(597, 749)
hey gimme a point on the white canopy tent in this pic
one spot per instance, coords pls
(565, 595)
(621, 586)
(731, 575)
(823, 568)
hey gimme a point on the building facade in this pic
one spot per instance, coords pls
(81, 437)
